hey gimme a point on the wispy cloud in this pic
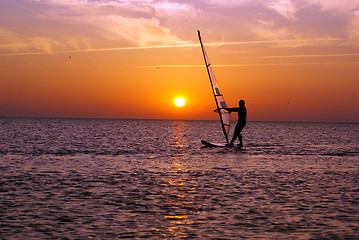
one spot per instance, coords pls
(92, 23)
(334, 5)
(353, 30)
(139, 31)
(133, 21)
(289, 37)
(292, 19)
(251, 65)
(285, 8)
(70, 25)
(314, 55)
(309, 19)
(282, 42)
(16, 42)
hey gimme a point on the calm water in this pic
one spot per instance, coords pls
(108, 179)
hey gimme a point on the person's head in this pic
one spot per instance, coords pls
(241, 103)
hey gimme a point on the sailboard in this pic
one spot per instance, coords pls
(224, 115)
(208, 144)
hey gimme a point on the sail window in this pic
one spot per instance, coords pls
(217, 92)
(223, 104)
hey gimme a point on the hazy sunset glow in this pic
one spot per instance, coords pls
(291, 60)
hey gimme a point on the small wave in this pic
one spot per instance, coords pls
(69, 152)
(339, 154)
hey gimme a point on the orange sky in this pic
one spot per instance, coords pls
(291, 60)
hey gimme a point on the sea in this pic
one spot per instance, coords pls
(153, 179)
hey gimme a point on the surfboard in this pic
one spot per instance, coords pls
(208, 144)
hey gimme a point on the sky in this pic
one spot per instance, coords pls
(290, 60)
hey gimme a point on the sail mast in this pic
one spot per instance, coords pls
(221, 104)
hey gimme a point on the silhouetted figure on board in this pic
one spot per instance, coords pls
(242, 115)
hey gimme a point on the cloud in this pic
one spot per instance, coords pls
(253, 65)
(314, 55)
(345, 17)
(281, 19)
(138, 31)
(285, 8)
(15, 42)
(296, 33)
(135, 21)
(334, 5)
(229, 3)
(353, 30)
(308, 21)
(62, 25)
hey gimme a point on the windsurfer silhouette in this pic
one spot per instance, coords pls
(242, 115)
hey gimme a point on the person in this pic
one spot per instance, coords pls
(242, 116)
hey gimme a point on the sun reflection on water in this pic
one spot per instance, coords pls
(178, 191)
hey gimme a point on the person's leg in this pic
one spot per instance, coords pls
(239, 129)
(235, 135)
(240, 140)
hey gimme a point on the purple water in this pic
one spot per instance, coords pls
(152, 179)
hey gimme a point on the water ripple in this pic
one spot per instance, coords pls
(110, 179)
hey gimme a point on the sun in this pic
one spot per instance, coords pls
(179, 102)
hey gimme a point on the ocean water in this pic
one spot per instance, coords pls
(152, 179)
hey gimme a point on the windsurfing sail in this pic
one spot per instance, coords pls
(218, 96)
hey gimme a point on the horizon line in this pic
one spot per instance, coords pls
(164, 119)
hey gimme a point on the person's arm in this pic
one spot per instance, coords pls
(235, 109)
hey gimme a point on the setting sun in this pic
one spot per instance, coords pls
(179, 102)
